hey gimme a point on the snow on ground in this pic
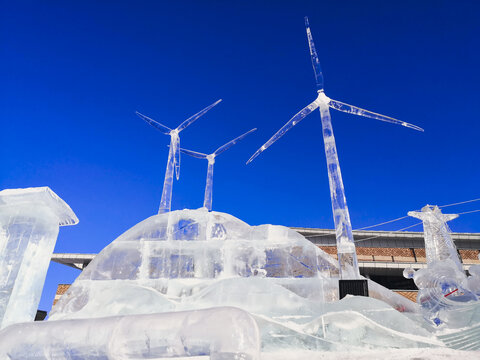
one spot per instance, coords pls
(390, 354)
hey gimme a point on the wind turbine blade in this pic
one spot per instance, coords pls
(337, 105)
(162, 128)
(313, 54)
(194, 154)
(176, 154)
(228, 145)
(291, 123)
(191, 119)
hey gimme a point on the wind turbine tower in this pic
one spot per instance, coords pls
(347, 256)
(207, 202)
(173, 161)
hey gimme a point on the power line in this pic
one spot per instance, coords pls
(468, 212)
(459, 203)
(383, 223)
(405, 228)
(404, 217)
(363, 228)
(366, 227)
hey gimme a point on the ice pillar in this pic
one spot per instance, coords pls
(166, 201)
(207, 202)
(439, 245)
(347, 257)
(29, 224)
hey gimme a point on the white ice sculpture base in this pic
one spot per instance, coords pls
(172, 265)
(194, 259)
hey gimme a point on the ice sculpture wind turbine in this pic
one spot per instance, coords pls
(207, 202)
(347, 257)
(173, 161)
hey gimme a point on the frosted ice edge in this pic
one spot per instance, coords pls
(41, 196)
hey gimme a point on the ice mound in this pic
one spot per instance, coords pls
(194, 259)
(181, 256)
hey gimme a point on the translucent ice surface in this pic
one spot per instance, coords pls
(179, 255)
(221, 333)
(445, 294)
(195, 259)
(29, 222)
(439, 244)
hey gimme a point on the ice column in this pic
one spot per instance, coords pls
(207, 202)
(29, 222)
(166, 201)
(347, 257)
(439, 245)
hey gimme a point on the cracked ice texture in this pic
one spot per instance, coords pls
(29, 222)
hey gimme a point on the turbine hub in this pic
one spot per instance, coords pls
(322, 98)
(211, 158)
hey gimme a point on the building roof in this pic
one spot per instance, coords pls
(389, 239)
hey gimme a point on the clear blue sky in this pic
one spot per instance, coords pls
(73, 74)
